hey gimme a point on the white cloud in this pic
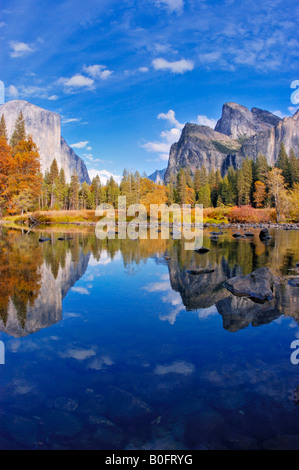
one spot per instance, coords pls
(293, 110)
(77, 81)
(53, 98)
(280, 114)
(104, 175)
(69, 121)
(168, 137)
(143, 69)
(170, 116)
(80, 145)
(80, 290)
(178, 67)
(172, 5)
(205, 121)
(12, 92)
(98, 71)
(20, 49)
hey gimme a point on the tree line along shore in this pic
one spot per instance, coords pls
(254, 193)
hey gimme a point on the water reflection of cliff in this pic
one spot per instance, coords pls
(34, 280)
(229, 258)
(36, 277)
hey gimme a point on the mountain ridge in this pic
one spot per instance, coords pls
(238, 134)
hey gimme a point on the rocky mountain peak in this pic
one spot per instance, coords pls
(239, 133)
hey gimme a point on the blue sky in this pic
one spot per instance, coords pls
(127, 75)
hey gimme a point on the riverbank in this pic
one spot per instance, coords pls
(218, 215)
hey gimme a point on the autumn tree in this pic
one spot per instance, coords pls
(25, 182)
(7, 165)
(277, 189)
(259, 194)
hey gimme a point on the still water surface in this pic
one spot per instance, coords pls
(114, 345)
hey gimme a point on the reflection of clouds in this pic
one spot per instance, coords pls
(104, 259)
(177, 367)
(99, 363)
(174, 299)
(171, 297)
(22, 387)
(207, 312)
(157, 287)
(80, 290)
(79, 354)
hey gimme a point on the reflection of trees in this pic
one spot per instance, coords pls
(20, 260)
(22, 257)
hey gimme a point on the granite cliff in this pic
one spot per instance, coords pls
(238, 134)
(45, 128)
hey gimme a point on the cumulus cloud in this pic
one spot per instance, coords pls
(12, 92)
(98, 72)
(20, 49)
(178, 67)
(168, 137)
(205, 121)
(170, 116)
(104, 175)
(78, 81)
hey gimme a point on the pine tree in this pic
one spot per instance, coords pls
(197, 182)
(54, 182)
(171, 186)
(96, 190)
(182, 189)
(19, 133)
(260, 169)
(3, 129)
(204, 196)
(294, 167)
(74, 192)
(244, 182)
(283, 163)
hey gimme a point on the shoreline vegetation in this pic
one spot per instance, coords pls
(232, 216)
(255, 193)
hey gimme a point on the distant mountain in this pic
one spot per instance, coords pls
(158, 176)
(45, 128)
(238, 134)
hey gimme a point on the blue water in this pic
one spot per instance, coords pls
(134, 354)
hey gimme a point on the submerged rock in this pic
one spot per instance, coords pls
(258, 285)
(202, 250)
(264, 234)
(197, 272)
(43, 240)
